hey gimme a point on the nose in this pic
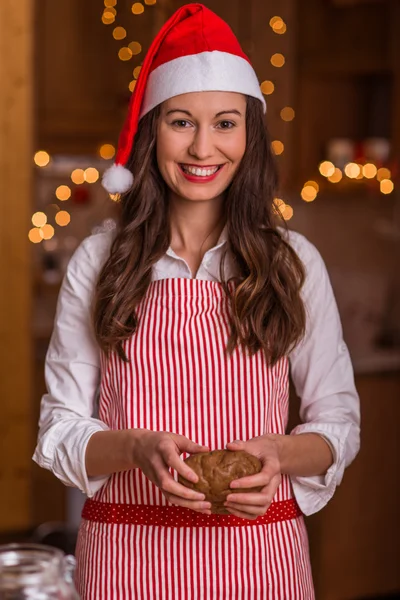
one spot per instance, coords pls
(202, 145)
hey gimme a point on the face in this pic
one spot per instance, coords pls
(201, 139)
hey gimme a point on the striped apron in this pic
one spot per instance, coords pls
(132, 543)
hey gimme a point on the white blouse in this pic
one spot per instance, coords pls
(320, 365)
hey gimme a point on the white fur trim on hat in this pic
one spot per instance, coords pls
(117, 179)
(206, 71)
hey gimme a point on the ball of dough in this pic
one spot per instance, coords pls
(216, 470)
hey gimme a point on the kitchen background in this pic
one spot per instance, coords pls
(330, 72)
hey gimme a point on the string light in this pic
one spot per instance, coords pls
(287, 114)
(267, 87)
(41, 158)
(326, 168)
(107, 151)
(369, 170)
(39, 219)
(386, 186)
(78, 176)
(119, 33)
(137, 8)
(278, 147)
(63, 218)
(135, 47)
(63, 192)
(277, 60)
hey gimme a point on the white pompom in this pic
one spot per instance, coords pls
(117, 179)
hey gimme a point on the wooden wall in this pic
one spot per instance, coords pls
(16, 76)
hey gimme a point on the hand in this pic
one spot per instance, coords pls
(157, 451)
(252, 505)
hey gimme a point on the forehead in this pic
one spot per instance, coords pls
(206, 102)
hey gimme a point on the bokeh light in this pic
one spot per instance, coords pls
(39, 219)
(35, 235)
(326, 168)
(278, 147)
(267, 87)
(132, 85)
(107, 151)
(352, 170)
(42, 158)
(63, 192)
(119, 33)
(125, 53)
(135, 48)
(91, 175)
(369, 170)
(313, 184)
(287, 113)
(137, 8)
(387, 186)
(309, 193)
(63, 218)
(383, 173)
(336, 176)
(277, 60)
(47, 231)
(78, 176)
(136, 71)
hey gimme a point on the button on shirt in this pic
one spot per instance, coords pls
(320, 366)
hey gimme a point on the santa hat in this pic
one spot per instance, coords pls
(195, 51)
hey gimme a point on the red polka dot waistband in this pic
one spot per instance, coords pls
(178, 516)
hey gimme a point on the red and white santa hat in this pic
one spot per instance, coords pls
(195, 51)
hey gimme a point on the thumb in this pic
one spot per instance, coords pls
(235, 445)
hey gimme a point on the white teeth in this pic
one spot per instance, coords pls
(198, 171)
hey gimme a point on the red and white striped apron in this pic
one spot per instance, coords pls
(132, 543)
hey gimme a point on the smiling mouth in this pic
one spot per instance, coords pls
(200, 171)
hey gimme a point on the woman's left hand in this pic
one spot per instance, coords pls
(251, 505)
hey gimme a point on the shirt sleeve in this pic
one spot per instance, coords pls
(323, 377)
(72, 374)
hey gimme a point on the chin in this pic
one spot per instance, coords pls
(201, 195)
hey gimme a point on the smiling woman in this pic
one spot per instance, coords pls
(188, 315)
(201, 139)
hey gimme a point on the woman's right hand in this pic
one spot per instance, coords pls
(155, 452)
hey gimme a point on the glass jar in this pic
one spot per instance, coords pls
(36, 572)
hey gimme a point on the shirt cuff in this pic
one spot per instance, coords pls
(313, 493)
(63, 453)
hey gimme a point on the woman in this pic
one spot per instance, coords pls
(185, 319)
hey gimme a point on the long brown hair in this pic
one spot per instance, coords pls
(266, 308)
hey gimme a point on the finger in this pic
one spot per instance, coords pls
(186, 445)
(251, 510)
(241, 514)
(167, 483)
(264, 477)
(194, 505)
(256, 499)
(173, 460)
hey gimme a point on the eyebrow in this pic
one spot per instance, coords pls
(219, 114)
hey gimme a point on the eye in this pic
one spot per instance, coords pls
(181, 123)
(226, 124)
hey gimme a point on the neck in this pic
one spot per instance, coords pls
(195, 226)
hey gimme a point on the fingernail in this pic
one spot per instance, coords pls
(206, 505)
